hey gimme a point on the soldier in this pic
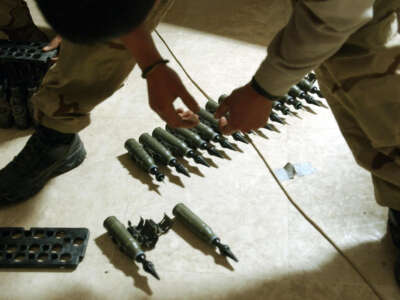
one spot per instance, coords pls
(354, 46)
(98, 51)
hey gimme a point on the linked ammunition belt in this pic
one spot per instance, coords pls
(148, 231)
(22, 68)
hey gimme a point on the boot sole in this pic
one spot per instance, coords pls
(71, 162)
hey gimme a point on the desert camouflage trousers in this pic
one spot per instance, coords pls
(83, 77)
(362, 86)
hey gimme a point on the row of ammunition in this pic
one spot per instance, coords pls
(132, 246)
(18, 82)
(22, 68)
(163, 146)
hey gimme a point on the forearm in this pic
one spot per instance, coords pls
(316, 31)
(142, 47)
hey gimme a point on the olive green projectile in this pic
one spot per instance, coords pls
(281, 107)
(307, 86)
(275, 118)
(162, 153)
(206, 132)
(123, 238)
(189, 137)
(129, 245)
(171, 141)
(296, 92)
(157, 149)
(209, 118)
(291, 101)
(194, 223)
(178, 146)
(142, 158)
(212, 106)
(201, 229)
(194, 140)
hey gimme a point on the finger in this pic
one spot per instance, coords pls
(170, 115)
(187, 114)
(222, 122)
(189, 101)
(54, 43)
(222, 110)
(228, 129)
(193, 118)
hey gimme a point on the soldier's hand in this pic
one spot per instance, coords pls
(243, 110)
(164, 87)
(54, 44)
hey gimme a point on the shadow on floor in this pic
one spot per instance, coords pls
(252, 21)
(120, 261)
(138, 173)
(198, 244)
(374, 259)
(325, 282)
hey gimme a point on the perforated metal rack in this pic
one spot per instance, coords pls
(42, 247)
(26, 51)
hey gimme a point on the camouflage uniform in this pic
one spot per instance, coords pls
(83, 77)
(362, 85)
(16, 22)
(355, 47)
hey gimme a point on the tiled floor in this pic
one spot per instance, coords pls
(281, 255)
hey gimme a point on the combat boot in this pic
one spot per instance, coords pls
(47, 154)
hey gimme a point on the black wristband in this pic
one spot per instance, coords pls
(254, 84)
(147, 70)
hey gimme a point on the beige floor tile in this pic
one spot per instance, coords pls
(281, 255)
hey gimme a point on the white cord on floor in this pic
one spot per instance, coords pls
(291, 200)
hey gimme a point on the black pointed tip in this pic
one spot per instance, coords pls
(227, 145)
(201, 160)
(149, 268)
(226, 251)
(215, 152)
(181, 169)
(232, 256)
(275, 118)
(268, 127)
(240, 138)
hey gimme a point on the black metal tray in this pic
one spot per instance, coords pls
(42, 247)
(26, 51)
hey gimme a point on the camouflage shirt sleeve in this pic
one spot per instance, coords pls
(315, 32)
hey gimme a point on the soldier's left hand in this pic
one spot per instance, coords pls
(243, 110)
(164, 87)
(54, 44)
